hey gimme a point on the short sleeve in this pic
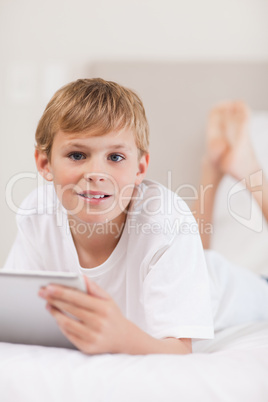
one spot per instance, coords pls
(24, 254)
(176, 292)
(32, 242)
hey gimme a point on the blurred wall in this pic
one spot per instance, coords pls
(46, 44)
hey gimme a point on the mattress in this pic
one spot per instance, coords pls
(232, 367)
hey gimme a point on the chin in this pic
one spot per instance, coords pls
(102, 219)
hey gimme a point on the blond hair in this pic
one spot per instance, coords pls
(94, 106)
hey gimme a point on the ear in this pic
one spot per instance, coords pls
(143, 166)
(43, 165)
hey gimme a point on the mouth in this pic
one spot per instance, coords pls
(94, 195)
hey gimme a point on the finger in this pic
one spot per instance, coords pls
(95, 290)
(69, 325)
(77, 334)
(83, 345)
(84, 316)
(72, 296)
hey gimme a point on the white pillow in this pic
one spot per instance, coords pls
(240, 231)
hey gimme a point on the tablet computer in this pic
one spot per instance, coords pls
(23, 316)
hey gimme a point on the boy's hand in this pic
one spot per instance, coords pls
(97, 325)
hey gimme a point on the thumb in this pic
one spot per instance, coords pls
(95, 290)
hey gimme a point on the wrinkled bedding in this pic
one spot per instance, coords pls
(232, 367)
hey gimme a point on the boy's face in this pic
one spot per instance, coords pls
(94, 176)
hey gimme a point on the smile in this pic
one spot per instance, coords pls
(94, 197)
(97, 196)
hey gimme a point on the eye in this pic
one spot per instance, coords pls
(116, 157)
(76, 156)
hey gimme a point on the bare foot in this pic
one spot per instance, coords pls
(229, 145)
(216, 140)
(239, 159)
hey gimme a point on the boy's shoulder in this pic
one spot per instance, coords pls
(157, 210)
(153, 200)
(42, 200)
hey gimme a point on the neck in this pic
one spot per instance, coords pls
(94, 242)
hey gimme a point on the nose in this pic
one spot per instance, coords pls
(94, 169)
(94, 177)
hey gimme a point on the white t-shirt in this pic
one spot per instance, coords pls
(157, 273)
(238, 295)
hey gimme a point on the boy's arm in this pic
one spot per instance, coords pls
(140, 343)
(100, 327)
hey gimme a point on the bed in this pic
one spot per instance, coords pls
(232, 367)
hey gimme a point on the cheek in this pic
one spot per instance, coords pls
(126, 184)
(65, 183)
(66, 176)
(127, 176)
(125, 196)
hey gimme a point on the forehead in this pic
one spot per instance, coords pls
(123, 138)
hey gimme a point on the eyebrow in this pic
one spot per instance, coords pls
(81, 145)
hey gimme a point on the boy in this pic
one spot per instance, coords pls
(146, 277)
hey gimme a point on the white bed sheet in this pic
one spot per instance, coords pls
(232, 367)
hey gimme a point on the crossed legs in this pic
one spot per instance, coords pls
(228, 151)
